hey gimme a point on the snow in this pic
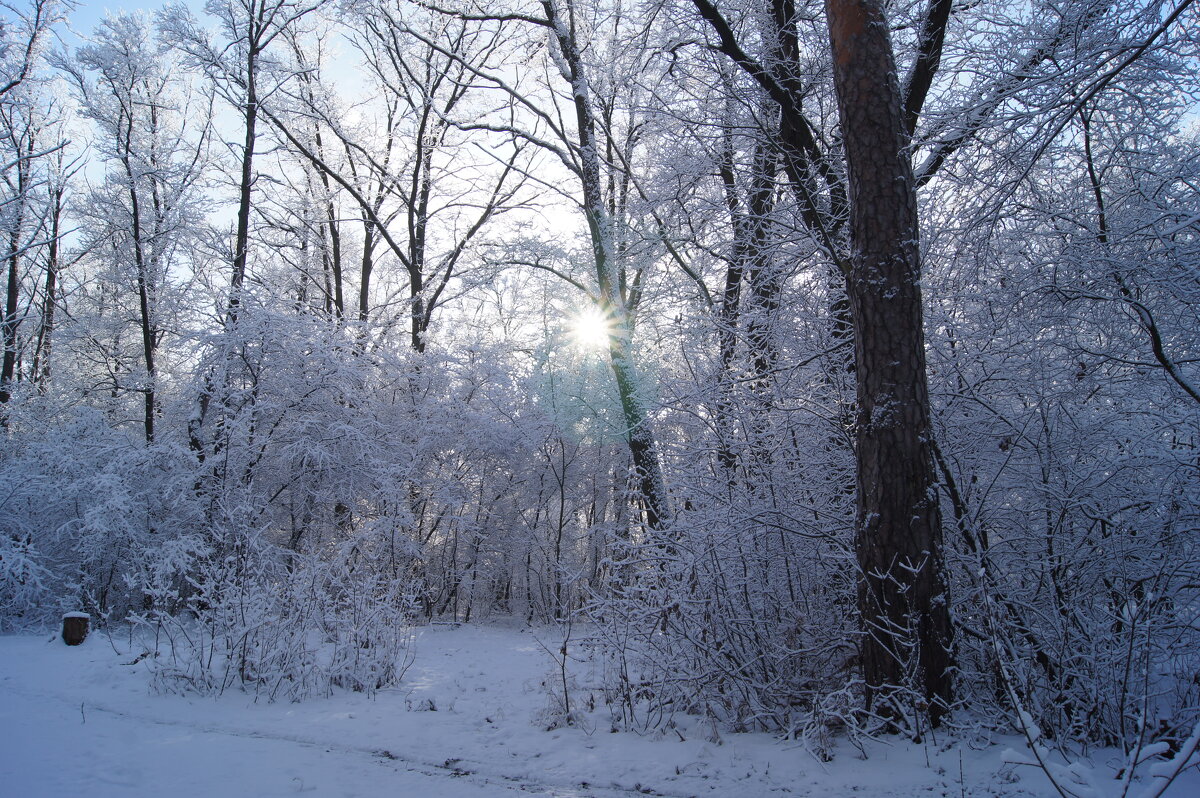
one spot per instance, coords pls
(470, 720)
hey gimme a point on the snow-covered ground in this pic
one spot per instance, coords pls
(470, 720)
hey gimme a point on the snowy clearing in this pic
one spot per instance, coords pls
(469, 720)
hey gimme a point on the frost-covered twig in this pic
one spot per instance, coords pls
(1163, 773)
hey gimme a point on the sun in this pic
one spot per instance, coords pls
(591, 329)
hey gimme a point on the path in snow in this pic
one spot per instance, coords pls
(468, 721)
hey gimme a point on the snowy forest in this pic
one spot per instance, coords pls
(833, 368)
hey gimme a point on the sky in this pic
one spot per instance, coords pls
(87, 15)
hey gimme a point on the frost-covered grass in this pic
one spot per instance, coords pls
(478, 713)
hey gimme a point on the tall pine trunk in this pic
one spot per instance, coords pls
(898, 532)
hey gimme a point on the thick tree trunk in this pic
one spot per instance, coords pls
(902, 595)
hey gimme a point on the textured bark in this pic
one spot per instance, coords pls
(898, 534)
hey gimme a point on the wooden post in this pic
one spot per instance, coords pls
(75, 627)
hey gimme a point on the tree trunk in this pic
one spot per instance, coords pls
(40, 372)
(241, 244)
(639, 435)
(144, 279)
(898, 534)
(12, 320)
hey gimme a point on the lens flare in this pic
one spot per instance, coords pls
(591, 329)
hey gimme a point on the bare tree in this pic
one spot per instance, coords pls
(62, 174)
(244, 73)
(22, 40)
(580, 128)
(408, 172)
(126, 89)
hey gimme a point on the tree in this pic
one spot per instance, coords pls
(147, 203)
(1030, 83)
(413, 168)
(898, 538)
(244, 74)
(22, 116)
(618, 295)
(63, 171)
(994, 205)
(572, 125)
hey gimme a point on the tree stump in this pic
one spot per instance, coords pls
(75, 627)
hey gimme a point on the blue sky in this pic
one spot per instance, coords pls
(86, 15)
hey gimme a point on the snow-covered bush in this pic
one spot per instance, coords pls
(86, 510)
(24, 582)
(282, 626)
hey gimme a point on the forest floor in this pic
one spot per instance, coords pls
(472, 718)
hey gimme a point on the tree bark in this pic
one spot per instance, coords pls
(898, 532)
